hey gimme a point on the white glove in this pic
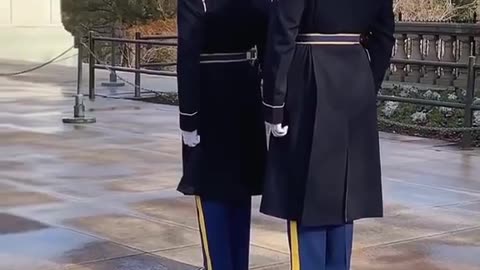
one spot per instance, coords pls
(190, 138)
(276, 129)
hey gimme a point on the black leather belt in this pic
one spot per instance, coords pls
(328, 39)
(211, 58)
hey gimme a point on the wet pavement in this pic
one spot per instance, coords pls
(102, 196)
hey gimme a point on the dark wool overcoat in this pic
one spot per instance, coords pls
(220, 96)
(326, 171)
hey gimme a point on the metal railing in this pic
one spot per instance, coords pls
(434, 42)
(469, 67)
(139, 67)
(468, 106)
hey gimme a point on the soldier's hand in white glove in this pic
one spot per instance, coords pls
(277, 130)
(190, 138)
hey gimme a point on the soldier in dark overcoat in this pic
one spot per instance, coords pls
(222, 121)
(320, 87)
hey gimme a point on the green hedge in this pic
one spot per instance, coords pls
(426, 116)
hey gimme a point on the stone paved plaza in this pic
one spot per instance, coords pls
(102, 196)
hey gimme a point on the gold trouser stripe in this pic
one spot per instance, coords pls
(294, 248)
(203, 232)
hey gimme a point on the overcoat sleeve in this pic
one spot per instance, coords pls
(190, 20)
(380, 42)
(284, 22)
(263, 7)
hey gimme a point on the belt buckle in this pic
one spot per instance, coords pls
(252, 55)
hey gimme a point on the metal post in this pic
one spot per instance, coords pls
(138, 49)
(91, 66)
(79, 108)
(469, 98)
(79, 65)
(113, 74)
(113, 60)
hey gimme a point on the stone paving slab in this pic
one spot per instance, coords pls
(404, 196)
(261, 257)
(178, 210)
(473, 207)
(18, 198)
(102, 196)
(136, 232)
(11, 224)
(140, 262)
(451, 251)
(35, 241)
(411, 226)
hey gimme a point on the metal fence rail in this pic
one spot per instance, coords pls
(138, 69)
(469, 67)
(468, 106)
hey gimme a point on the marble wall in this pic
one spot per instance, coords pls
(30, 13)
(33, 30)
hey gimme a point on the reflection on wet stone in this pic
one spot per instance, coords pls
(5, 187)
(113, 183)
(12, 165)
(474, 207)
(406, 196)
(137, 233)
(96, 251)
(142, 262)
(269, 232)
(14, 224)
(58, 246)
(258, 256)
(18, 198)
(179, 210)
(457, 251)
(412, 225)
(162, 180)
(15, 262)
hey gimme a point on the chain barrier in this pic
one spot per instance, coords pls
(426, 128)
(53, 60)
(65, 58)
(105, 64)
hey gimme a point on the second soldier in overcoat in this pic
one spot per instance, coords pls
(323, 173)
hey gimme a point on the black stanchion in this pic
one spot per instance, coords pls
(112, 83)
(79, 116)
